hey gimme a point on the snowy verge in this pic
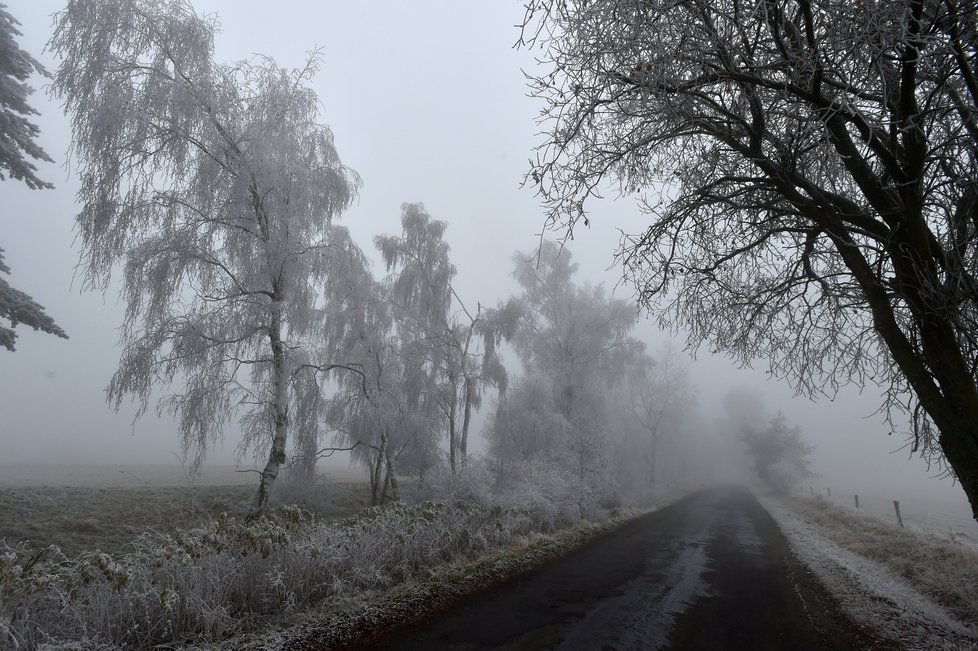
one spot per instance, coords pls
(872, 594)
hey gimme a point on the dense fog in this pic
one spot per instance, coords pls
(427, 104)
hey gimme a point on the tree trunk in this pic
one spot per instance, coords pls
(377, 489)
(956, 417)
(280, 406)
(938, 374)
(395, 490)
(387, 483)
(651, 460)
(374, 483)
(463, 443)
(960, 446)
(303, 470)
(452, 436)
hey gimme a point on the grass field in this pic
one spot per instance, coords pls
(82, 508)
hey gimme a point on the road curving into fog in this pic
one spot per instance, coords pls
(711, 571)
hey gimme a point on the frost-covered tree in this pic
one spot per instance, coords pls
(808, 171)
(214, 188)
(19, 308)
(576, 335)
(386, 416)
(574, 344)
(18, 143)
(457, 344)
(527, 424)
(18, 135)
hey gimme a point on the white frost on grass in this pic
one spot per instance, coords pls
(870, 594)
(939, 518)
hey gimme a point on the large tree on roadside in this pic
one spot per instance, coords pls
(809, 173)
(18, 143)
(214, 188)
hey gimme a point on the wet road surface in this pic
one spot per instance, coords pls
(711, 571)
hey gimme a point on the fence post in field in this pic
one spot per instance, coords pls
(829, 491)
(896, 507)
(857, 501)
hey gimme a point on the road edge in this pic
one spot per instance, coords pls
(882, 604)
(356, 620)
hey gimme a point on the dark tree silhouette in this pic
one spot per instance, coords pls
(810, 174)
(18, 143)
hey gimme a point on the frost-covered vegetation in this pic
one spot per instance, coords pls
(228, 574)
(945, 571)
(345, 619)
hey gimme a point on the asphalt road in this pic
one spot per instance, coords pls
(712, 571)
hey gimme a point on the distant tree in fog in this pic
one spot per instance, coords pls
(18, 142)
(213, 188)
(574, 343)
(779, 454)
(657, 394)
(387, 418)
(808, 171)
(389, 413)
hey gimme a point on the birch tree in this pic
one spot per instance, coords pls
(18, 144)
(213, 188)
(459, 343)
(576, 341)
(387, 415)
(808, 171)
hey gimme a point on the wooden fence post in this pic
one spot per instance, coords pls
(896, 507)
(857, 501)
(830, 491)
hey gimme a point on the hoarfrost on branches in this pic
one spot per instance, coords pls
(457, 344)
(18, 143)
(17, 133)
(808, 171)
(575, 345)
(216, 188)
(19, 308)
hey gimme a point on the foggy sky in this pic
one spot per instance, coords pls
(427, 103)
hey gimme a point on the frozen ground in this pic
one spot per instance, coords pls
(36, 475)
(930, 516)
(870, 593)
